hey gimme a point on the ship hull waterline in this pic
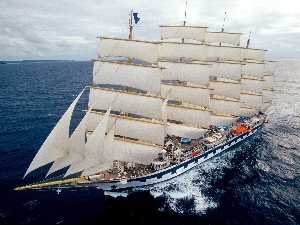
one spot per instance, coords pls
(156, 177)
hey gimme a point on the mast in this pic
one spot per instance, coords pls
(223, 23)
(222, 30)
(248, 41)
(184, 21)
(130, 25)
(130, 30)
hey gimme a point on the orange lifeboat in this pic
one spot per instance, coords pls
(196, 152)
(240, 129)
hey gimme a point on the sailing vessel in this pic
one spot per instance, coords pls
(157, 109)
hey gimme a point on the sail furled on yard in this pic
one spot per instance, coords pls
(138, 76)
(56, 144)
(186, 32)
(114, 47)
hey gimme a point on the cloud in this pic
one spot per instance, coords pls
(68, 29)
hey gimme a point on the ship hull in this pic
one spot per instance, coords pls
(170, 172)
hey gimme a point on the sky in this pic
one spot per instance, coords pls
(68, 29)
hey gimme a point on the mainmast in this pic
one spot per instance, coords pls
(130, 30)
(130, 24)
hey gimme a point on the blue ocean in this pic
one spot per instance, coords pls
(257, 182)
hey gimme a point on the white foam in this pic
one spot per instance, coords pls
(116, 194)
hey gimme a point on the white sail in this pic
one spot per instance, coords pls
(189, 32)
(140, 104)
(141, 129)
(269, 67)
(94, 148)
(225, 87)
(164, 111)
(107, 156)
(267, 95)
(265, 106)
(186, 50)
(224, 52)
(248, 111)
(252, 84)
(194, 72)
(230, 70)
(254, 54)
(127, 74)
(222, 37)
(225, 105)
(75, 147)
(268, 81)
(255, 69)
(222, 120)
(128, 48)
(185, 131)
(190, 115)
(137, 152)
(56, 144)
(251, 99)
(197, 95)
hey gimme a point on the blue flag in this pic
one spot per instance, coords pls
(136, 18)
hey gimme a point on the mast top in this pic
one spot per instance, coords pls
(136, 20)
(223, 23)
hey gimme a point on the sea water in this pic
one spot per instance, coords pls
(257, 182)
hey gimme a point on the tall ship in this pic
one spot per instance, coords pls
(157, 109)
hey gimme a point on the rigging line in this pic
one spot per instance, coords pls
(113, 48)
